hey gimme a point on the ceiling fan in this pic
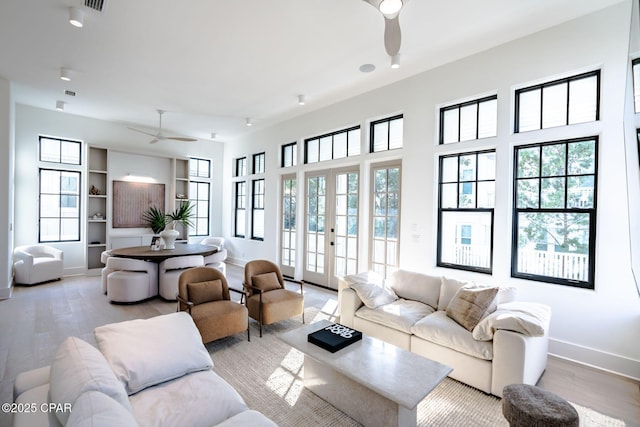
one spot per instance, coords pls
(390, 9)
(159, 136)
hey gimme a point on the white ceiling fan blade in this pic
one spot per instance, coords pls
(392, 35)
(142, 131)
(181, 138)
(154, 140)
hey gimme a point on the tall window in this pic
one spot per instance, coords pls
(636, 84)
(386, 134)
(288, 155)
(59, 206)
(59, 151)
(240, 168)
(258, 163)
(465, 214)
(199, 195)
(289, 207)
(469, 120)
(555, 186)
(257, 209)
(335, 145)
(558, 103)
(240, 209)
(386, 219)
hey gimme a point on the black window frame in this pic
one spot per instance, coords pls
(332, 135)
(240, 166)
(240, 205)
(60, 195)
(258, 163)
(388, 120)
(590, 283)
(441, 210)
(199, 161)
(60, 141)
(283, 149)
(197, 215)
(541, 86)
(257, 204)
(458, 107)
(636, 85)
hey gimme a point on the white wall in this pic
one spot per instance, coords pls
(598, 327)
(6, 187)
(143, 159)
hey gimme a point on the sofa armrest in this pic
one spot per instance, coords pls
(30, 379)
(517, 359)
(349, 303)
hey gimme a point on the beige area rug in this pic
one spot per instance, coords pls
(268, 374)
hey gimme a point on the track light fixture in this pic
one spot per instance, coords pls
(76, 17)
(301, 100)
(60, 105)
(65, 74)
(213, 135)
(247, 121)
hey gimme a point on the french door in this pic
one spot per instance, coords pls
(331, 225)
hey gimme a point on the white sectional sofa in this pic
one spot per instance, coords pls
(152, 372)
(416, 312)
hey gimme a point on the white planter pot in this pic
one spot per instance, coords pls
(169, 237)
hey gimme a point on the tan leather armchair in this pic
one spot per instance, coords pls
(203, 292)
(266, 297)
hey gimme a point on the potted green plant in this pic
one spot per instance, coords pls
(155, 218)
(181, 215)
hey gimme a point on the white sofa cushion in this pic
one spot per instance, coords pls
(470, 304)
(400, 314)
(196, 400)
(79, 367)
(441, 329)
(448, 288)
(95, 409)
(146, 352)
(527, 318)
(416, 286)
(248, 418)
(373, 295)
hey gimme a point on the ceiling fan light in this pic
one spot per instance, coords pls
(395, 61)
(389, 7)
(76, 17)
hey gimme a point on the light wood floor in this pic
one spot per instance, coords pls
(36, 319)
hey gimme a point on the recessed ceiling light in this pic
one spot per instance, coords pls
(367, 68)
(60, 105)
(213, 135)
(76, 17)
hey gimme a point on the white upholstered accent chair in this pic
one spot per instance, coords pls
(169, 272)
(216, 260)
(131, 280)
(37, 263)
(104, 256)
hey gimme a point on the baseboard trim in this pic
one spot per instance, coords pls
(598, 359)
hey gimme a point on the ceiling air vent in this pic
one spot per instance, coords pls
(94, 4)
(69, 92)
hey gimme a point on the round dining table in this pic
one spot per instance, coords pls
(148, 254)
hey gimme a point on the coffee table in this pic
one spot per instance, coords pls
(374, 382)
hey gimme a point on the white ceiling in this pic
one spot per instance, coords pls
(213, 63)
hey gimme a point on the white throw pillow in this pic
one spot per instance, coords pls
(95, 409)
(527, 318)
(373, 295)
(146, 352)
(79, 367)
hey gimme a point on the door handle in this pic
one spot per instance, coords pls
(331, 243)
